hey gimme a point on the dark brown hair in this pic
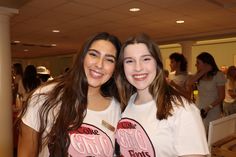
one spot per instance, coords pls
(69, 94)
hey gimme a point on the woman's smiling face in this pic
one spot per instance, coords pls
(99, 63)
(139, 66)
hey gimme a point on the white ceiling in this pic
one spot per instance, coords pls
(78, 19)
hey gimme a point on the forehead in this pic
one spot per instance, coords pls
(136, 49)
(103, 46)
(199, 61)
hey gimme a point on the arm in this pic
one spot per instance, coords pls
(219, 100)
(198, 75)
(28, 142)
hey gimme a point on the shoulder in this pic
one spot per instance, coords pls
(43, 89)
(220, 74)
(184, 107)
(40, 94)
(220, 77)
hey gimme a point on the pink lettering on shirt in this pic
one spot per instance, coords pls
(89, 140)
(133, 139)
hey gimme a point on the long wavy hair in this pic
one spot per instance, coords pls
(163, 94)
(69, 94)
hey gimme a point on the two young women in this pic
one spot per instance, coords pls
(77, 114)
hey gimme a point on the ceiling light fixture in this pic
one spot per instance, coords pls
(26, 50)
(54, 45)
(55, 31)
(16, 41)
(134, 9)
(180, 21)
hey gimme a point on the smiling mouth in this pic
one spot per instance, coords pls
(95, 74)
(139, 76)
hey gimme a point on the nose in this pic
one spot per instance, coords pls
(138, 66)
(99, 63)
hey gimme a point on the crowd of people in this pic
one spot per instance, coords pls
(118, 100)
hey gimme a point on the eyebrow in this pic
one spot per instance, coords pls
(108, 55)
(146, 55)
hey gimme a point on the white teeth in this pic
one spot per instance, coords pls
(139, 76)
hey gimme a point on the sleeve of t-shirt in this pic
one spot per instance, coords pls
(220, 79)
(189, 133)
(31, 117)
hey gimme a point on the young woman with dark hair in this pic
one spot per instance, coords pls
(157, 120)
(75, 114)
(211, 87)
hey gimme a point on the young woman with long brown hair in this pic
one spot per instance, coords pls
(75, 114)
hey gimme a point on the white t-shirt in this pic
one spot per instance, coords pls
(95, 136)
(140, 133)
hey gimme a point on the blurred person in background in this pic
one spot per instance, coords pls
(29, 82)
(179, 74)
(229, 105)
(17, 75)
(43, 74)
(211, 87)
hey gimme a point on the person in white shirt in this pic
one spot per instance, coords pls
(157, 120)
(75, 114)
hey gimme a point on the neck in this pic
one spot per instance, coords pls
(143, 96)
(93, 91)
(96, 101)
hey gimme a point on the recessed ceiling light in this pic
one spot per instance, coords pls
(180, 21)
(53, 45)
(134, 9)
(26, 50)
(16, 41)
(55, 31)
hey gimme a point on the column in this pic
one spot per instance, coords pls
(187, 52)
(6, 140)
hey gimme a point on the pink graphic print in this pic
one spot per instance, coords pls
(89, 140)
(133, 140)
